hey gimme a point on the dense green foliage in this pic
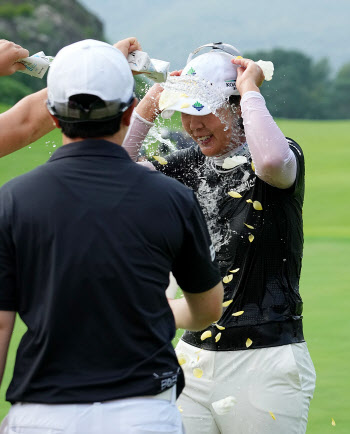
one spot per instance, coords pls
(325, 276)
(303, 89)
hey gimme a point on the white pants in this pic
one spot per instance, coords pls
(124, 416)
(272, 388)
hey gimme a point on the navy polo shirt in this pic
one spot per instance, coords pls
(87, 241)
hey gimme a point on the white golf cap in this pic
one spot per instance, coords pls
(205, 84)
(94, 68)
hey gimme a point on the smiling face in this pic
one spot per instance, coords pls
(214, 137)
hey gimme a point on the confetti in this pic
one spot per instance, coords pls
(218, 337)
(239, 313)
(180, 408)
(160, 160)
(184, 95)
(234, 271)
(234, 194)
(257, 205)
(253, 167)
(239, 57)
(249, 201)
(220, 327)
(185, 105)
(251, 238)
(197, 372)
(206, 335)
(333, 422)
(227, 279)
(248, 226)
(181, 358)
(227, 303)
(248, 343)
(272, 415)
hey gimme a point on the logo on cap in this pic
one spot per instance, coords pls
(231, 83)
(198, 106)
(191, 71)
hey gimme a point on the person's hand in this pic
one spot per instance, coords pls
(148, 107)
(249, 75)
(128, 45)
(176, 73)
(10, 53)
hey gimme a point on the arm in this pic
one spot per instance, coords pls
(7, 321)
(274, 162)
(24, 123)
(196, 311)
(142, 120)
(10, 53)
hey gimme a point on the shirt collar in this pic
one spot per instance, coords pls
(92, 147)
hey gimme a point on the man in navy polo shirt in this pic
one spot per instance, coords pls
(87, 242)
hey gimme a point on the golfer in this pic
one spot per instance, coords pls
(257, 374)
(87, 242)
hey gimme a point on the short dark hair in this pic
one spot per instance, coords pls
(89, 129)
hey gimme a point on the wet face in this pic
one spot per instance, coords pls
(214, 135)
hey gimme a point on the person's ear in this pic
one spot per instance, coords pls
(55, 121)
(127, 114)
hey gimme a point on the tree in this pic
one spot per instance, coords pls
(340, 95)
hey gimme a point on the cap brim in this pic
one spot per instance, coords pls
(172, 102)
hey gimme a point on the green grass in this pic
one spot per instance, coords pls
(325, 279)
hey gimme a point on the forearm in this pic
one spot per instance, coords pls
(185, 318)
(136, 134)
(274, 162)
(198, 310)
(24, 123)
(7, 321)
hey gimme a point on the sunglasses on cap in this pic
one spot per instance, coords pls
(229, 49)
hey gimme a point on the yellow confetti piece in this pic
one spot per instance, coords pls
(197, 352)
(239, 313)
(253, 167)
(249, 201)
(227, 303)
(160, 160)
(206, 335)
(257, 205)
(181, 359)
(251, 238)
(272, 415)
(239, 57)
(180, 408)
(218, 337)
(220, 327)
(248, 226)
(234, 271)
(197, 372)
(227, 279)
(333, 422)
(248, 343)
(183, 95)
(234, 194)
(185, 105)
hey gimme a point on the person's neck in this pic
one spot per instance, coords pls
(115, 138)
